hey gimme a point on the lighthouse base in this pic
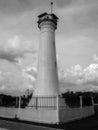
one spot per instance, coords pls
(53, 110)
(43, 109)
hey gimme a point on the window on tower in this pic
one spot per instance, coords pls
(53, 44)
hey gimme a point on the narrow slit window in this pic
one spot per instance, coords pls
(55, 64)
(53, 44)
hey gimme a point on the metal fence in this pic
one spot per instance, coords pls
(50, 102)
(43, 102)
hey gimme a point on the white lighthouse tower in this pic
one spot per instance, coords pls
(46, 99)
(47, 79)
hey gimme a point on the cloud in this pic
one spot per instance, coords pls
(76, 78)
(76, 70)
(14, 80)
(30, 72)
(16, 48)
(87, 74)
(81, 79)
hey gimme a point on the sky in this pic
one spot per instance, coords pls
(76, 44)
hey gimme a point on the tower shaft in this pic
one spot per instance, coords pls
(47, 79)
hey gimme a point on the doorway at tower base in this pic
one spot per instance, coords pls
(53, 110)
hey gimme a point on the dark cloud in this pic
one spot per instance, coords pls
(87, 18)
(12, 57)
(12, 6)
(16, 47)
(18, 6)
(79, 17)
(32, 73)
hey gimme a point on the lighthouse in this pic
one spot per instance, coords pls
(47, 77)
(47, 104)
(46, 96)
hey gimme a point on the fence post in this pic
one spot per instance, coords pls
(81, 104)
(92, 101)
(16, 101)
(36, 101)
(57, 108)
(19, 106)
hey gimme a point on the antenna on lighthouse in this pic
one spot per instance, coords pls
(51, 7)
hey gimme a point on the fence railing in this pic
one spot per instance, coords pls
(43, 102)
(50, 102)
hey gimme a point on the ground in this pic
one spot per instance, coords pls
(90, 123)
